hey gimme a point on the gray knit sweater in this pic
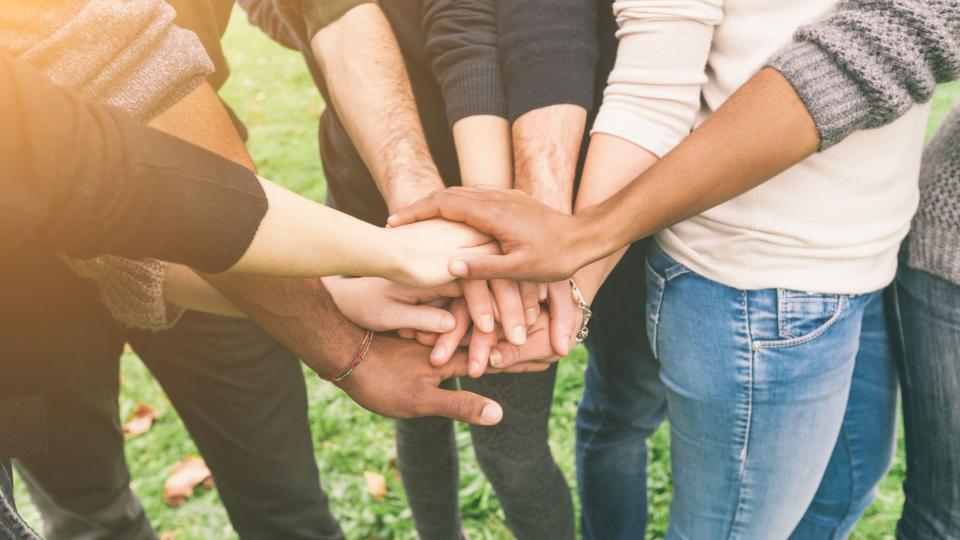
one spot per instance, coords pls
(866, 64)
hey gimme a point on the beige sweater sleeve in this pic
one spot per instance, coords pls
(124, 53)
(653, 93)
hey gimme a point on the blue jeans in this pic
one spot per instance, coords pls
(623, 404)
(929, 314)
(739, 416)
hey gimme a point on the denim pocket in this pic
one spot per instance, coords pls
(802, 316)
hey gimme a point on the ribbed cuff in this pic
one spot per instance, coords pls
(473, 90)
(219, 205)
(317, 14)
(935, 249)
(536, 84)
(833, 98)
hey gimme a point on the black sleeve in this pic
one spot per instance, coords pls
(460, 41)
(88, 180)
(548, 51)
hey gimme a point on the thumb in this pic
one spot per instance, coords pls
(488, 266)
(424, 318)
(462, 406)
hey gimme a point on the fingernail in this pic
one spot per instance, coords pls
(439, 353)
(491, 414)
(458, 268)
(486, 323)
(567, 341)
(532, 315)
(448, 322)
(519, 334)
(495, 358)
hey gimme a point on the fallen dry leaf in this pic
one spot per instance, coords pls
(185, 476)
(141, 420)
(376, 485)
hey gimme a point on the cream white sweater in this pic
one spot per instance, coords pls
(830, 224)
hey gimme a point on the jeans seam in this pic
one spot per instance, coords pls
(853, 480)
(745, 449)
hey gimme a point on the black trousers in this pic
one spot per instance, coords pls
(240, 394)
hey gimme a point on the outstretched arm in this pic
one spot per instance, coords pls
(767, 126)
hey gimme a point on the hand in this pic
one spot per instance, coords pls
(550, 337)
(420, 252)
(395, 380)
(380, 305)
(538, 244)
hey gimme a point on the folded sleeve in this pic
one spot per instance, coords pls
(461, 44)
(653, 93)
(869, 61)
(87, 180)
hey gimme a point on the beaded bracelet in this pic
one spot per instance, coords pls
(358, 357)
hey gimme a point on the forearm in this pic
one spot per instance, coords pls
(371, 93)
(483, 150)
(183, 287)
(301, 238)
(759, 132)
(612, 163)
(546, 146)
(295, 312)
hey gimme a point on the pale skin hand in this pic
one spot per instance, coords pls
(484, 152)
(760, 131)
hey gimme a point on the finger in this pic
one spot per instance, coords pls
(481, 343)
(447, 343)
(480, 303)
(426, 208)
(426, 339)
(563, 316)
(419, 317)
(530, 298)
(407, 333)
(507, 295)
(460, 405)
(510, 266)
(533, 366)
(506, 354)
(543, 292)
(454, 204)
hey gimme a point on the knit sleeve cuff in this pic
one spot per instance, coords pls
(541, 84)
(833, 98)
(317, 14)
(474, 90)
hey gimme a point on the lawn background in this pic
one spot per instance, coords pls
(273, 94)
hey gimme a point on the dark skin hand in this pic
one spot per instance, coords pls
(760, 131)
(395, 379)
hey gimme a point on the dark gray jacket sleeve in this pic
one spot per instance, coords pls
(548, 52)
(866, 63)
(460, 40)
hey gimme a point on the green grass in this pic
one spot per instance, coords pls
(271, 91)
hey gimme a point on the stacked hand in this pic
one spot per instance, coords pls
(500, 322)
(536, 242)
